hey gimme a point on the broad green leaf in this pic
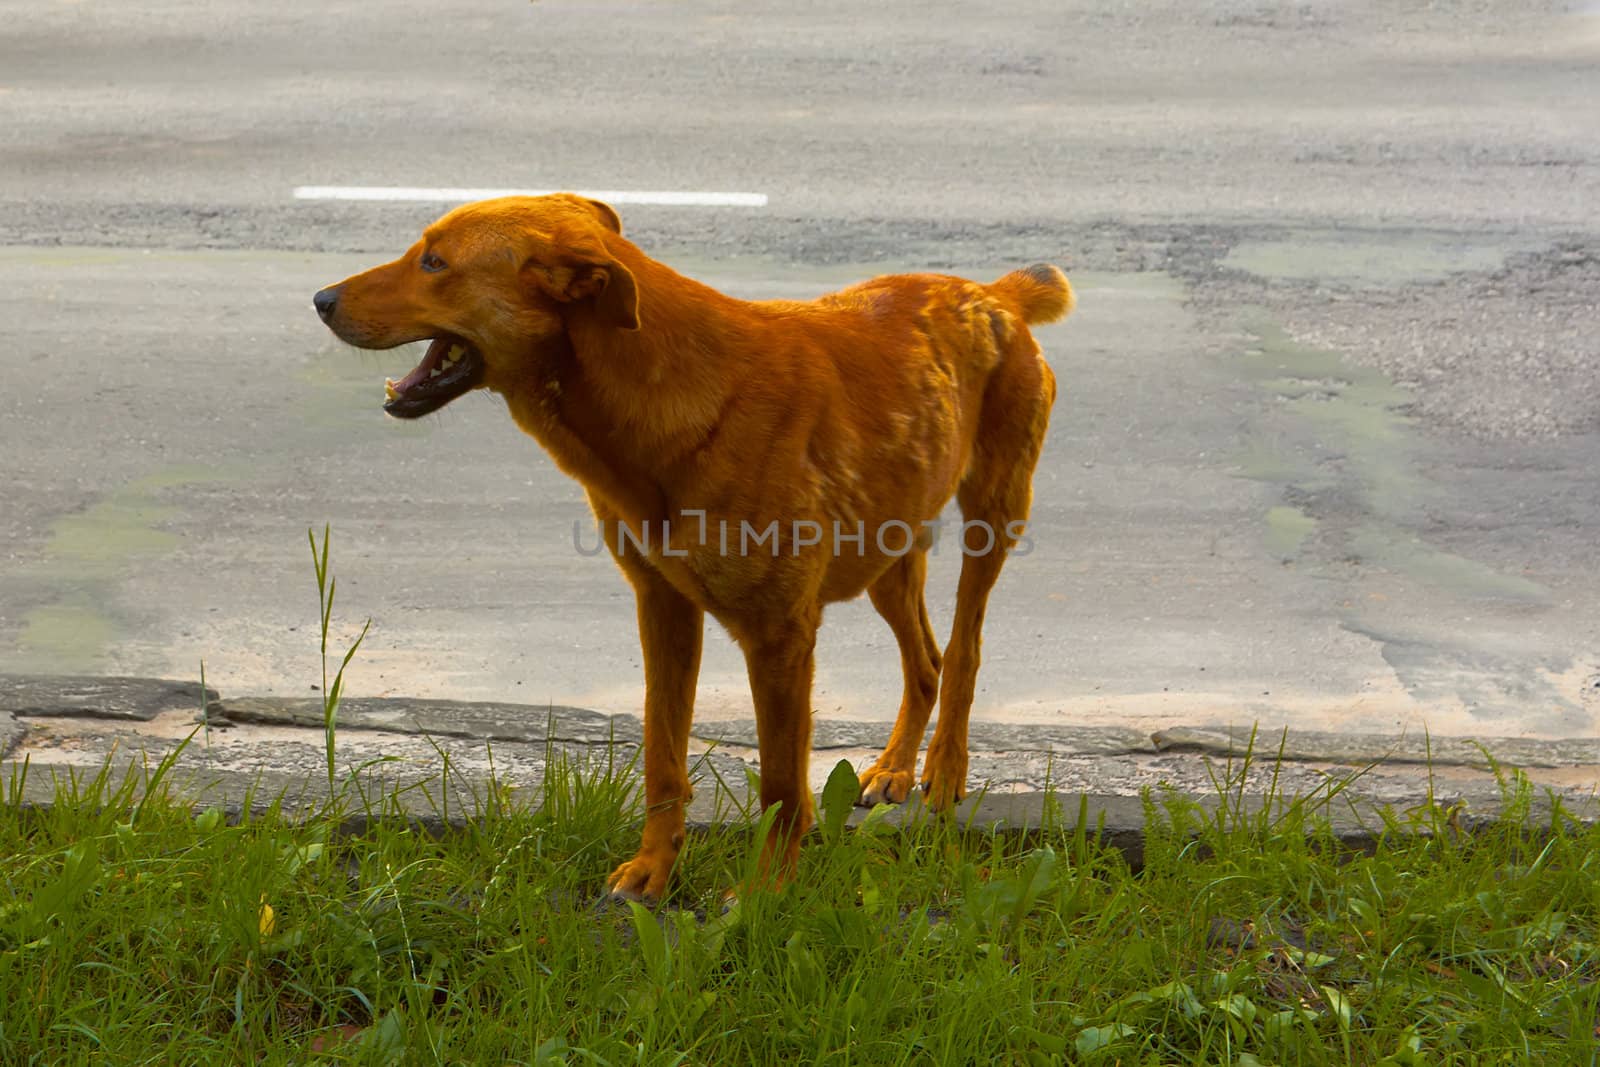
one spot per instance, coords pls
(652, 943)
(1340, 1005)
(1095, 1038)
(838, 798)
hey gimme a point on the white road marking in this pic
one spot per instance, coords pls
(611, 196)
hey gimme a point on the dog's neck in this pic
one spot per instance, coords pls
(622, 410)
(667, 381)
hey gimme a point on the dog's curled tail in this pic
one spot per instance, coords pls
(1040, 293)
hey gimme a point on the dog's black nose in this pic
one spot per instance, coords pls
(325, 301)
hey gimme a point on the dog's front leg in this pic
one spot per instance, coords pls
(780, 662)
(670, 629)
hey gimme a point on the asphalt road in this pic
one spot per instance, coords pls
(1326, 446)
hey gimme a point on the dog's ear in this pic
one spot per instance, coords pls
(608, 215)
(604, 213)
(611, 286)
(588, 272)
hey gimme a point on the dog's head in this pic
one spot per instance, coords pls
(488, 284)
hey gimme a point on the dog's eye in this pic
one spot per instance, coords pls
(432, 263)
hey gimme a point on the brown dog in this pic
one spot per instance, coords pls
(753, 461)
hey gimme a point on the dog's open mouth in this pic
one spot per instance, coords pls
(449, 368)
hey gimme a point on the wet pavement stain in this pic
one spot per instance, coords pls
(74, 585)
(1371, 261)
(68, 635)
(1287, 529)
(1341, 443)
(1354, 417)
(1363, 480)
(105, 536)
(1398, 551)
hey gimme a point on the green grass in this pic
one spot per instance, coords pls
(135, 932)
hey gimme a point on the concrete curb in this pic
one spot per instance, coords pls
(418, 760)
(1117, 822)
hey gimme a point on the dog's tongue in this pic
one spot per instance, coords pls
(430, 362)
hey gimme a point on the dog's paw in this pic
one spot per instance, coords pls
(884, 785)
(642, 879)
(942, 794)
(944, 779)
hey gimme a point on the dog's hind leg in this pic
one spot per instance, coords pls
(897, 594)
(670, 631)
(995, 497)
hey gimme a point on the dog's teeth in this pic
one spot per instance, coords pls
(389, 391)
(434, 373)
(456, 352)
